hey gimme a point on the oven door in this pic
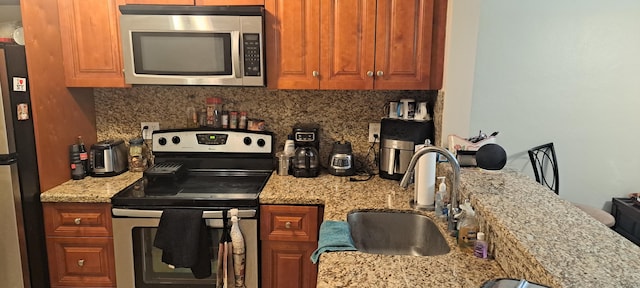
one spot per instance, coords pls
(139, 264)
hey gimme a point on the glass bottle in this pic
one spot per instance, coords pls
(214, 112)
(84, 156)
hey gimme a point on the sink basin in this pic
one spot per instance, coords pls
(396, 233)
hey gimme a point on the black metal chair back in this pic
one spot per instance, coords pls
(543, 160)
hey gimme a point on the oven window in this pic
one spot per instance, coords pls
(182, 53)
(151, 272)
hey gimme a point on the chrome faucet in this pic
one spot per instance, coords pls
(455, 182)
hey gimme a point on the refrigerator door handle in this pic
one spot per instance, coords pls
(8, 159)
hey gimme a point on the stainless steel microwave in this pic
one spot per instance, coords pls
(193, 45)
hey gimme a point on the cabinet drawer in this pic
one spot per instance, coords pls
(75, 219)
(81, 262)
(289, 223)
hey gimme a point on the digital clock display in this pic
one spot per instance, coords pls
(212, 138)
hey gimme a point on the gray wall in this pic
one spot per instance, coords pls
(565, 72)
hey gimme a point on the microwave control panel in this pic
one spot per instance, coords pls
(251, 47)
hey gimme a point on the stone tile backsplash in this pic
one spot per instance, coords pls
(341, 114)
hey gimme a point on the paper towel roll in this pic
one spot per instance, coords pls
(425, 178)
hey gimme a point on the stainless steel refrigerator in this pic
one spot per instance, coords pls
(23, 254)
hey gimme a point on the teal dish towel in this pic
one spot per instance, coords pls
(334, 236)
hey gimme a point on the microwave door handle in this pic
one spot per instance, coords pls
(235, 55)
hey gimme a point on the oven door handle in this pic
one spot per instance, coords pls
(137, 213)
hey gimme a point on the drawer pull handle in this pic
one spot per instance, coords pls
(287, 225)
(370, 73)
(315, 74)
(81, 262)
(380, 73)
(77, 221)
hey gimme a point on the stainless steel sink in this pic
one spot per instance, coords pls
(396, 233)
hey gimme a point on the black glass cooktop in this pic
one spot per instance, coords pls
(197, 189)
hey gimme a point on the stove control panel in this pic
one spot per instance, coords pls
(222, 141)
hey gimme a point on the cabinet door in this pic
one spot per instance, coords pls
(404, 44)
(288, 265)
(293, 50)
(160, 2)
(81, 262)
(91, 43)
(348, 42)
(76, 219)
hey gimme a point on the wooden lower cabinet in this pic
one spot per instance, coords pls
(287, 264)
(79, 244)
(289, 235)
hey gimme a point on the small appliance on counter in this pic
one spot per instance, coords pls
(398, 138)
(306, 160)
(341, 162)
(108, 158)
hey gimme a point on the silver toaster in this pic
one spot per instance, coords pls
(108, 158)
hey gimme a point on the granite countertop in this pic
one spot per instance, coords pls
(356, 269)
(90, 189)
(533, 235)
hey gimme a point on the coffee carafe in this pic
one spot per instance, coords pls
(306, 162)
(341, 159)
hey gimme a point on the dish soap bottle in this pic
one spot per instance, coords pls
(468, 228)
(440, 197)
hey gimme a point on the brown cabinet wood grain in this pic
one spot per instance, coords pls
(360, 44)
(287, 265)
(90, 38)
(292, 32)
(79, 244)
(289, 235)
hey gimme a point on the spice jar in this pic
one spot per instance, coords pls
(225, 119)
(137, 155)
(233, 120)
(214, 112)
(242, 122)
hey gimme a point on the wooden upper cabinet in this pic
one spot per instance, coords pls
(196, 2)
(90, 39)
(364, 44)
(403, 44)
(347, 38)
(293, 43)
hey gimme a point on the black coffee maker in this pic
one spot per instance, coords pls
(306, 160)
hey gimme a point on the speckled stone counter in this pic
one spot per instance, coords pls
(90, 189)
(357, 269)
(540, 237)
(533, 235)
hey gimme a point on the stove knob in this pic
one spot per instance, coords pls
(175, 139)
(247, 141)
(162, 141)
(261, 142)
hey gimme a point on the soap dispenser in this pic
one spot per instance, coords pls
(440, 198)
